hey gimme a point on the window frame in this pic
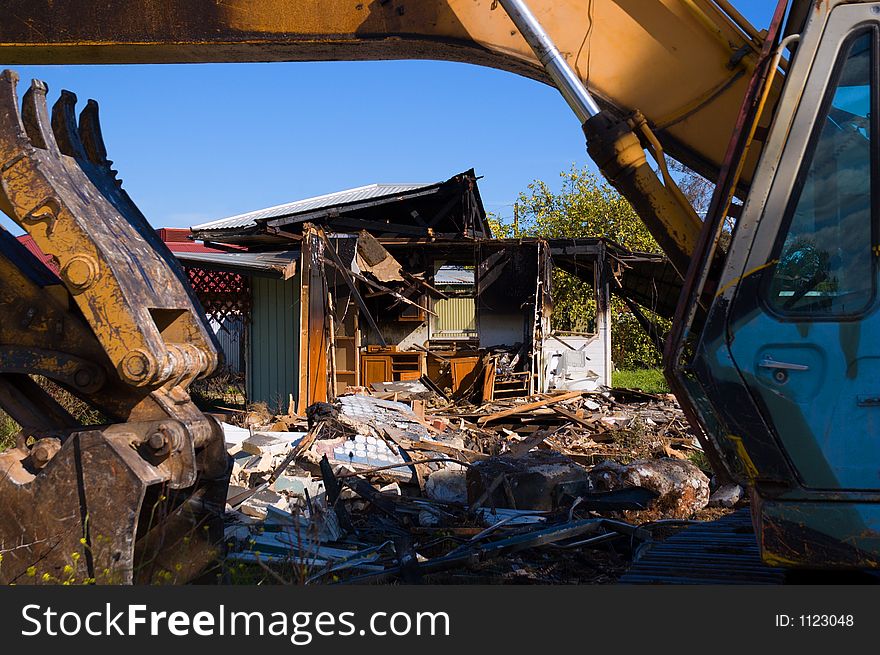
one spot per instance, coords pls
(797, 190)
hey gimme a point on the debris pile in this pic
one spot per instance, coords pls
(557, 487)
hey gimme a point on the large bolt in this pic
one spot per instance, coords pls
(138, 367)
(164, 440)
(157, 441)
(82, 378)
(43, 451)
(80, 272)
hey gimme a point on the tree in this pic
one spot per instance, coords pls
(696, 188)
(586, 206)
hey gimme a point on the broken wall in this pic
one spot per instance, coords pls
(403, 334)
(507, 282)
(497, 328)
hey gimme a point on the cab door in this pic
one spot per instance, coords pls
(804, 327)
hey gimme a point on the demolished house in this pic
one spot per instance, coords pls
(401, 287)
(433, 427)
(424, 419)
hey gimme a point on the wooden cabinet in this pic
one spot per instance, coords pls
(391, 367)
(375, 368)
(463, 372)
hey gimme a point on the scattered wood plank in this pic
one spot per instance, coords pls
(573, 417)
(526, 407)
(520, 449)
(430, 446)
(489, 382)
(461, 532)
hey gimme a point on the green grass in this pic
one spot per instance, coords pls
(650, 380)
(8, 430)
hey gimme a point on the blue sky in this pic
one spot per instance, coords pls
(197, 142)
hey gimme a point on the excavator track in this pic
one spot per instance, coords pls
(716, 552)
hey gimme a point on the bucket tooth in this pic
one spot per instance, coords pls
(35, 116)
(91, 154)
(13, 137)
(92, 137)
(64, 125)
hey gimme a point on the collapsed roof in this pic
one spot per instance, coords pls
(446, 218)
(449, 208)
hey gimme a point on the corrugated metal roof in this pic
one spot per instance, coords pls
(358, 194)
(273, 264)
(454, 275)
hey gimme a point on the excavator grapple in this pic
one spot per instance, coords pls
(139, 498)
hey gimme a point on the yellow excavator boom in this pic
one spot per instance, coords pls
(685, 64)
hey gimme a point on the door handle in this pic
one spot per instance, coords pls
(769, 362)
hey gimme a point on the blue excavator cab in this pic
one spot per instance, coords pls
(784, 373)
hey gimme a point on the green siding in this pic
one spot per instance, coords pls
(273, 353)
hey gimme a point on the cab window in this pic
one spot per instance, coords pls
(824, 265)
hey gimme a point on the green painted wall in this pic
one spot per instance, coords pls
(273, 348)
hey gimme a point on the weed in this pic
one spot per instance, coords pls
(8, 430)
(650, 380)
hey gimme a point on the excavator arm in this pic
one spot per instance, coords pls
(702, 55)
(120, 331)
(685, 64)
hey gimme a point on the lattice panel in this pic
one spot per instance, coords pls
(222, 293)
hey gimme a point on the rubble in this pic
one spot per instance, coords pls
(379, 490)
(526, 482)
(683, 488)
(728, 495)
(448, 486)
(269, 444)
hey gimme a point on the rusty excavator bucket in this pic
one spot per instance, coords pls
(139, 498)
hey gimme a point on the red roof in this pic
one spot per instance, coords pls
(192, 246)
(28, 242)
(178, 240)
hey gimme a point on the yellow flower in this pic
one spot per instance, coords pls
(31, 571)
